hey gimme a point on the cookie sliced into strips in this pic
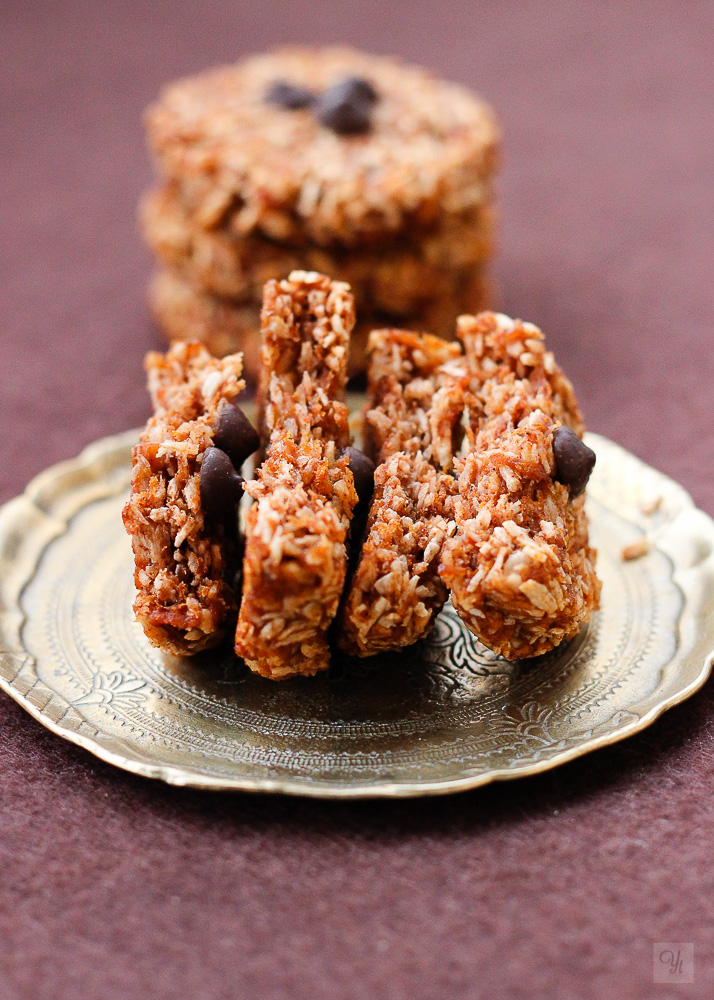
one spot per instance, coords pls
(295, 533)
(184, 542)
(412, 427)
(519, 567)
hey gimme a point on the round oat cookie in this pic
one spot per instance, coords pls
(395, 278)
(429, 151)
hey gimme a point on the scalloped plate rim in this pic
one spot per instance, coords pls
(177, 776)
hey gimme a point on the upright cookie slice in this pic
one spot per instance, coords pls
(181, 512)
(416, 385)
(296, 532)
(519, 566)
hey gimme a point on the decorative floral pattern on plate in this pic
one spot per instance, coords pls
(442, 716)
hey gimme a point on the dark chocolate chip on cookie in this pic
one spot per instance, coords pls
(574, 461)
(362, 469)
(346, 107)
(359, 88)
(221, 486)
(289, 96)
(235, 434)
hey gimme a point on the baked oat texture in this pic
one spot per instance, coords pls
(185, 560)
(296, 532)
(415, 404)
(519, 566)
(397, 277)
(430, 154)
(251, 191)
(185, 312)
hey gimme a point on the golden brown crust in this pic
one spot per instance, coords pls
(415, 403)
(295, 550)
(184, 559)
(519, 566)
(414, 395)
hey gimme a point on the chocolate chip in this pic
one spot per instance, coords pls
(221, 486)
(357, 86)
(289, 96)
(344, 108)
(235, 434)
(362, 469)
(574, 461)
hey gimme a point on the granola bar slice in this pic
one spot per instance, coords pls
(295, 534)
(415, 392)
(184, 556)
(520, 569)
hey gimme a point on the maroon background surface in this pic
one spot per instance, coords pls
(114, 886)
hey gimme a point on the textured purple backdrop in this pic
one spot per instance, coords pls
(116, 887)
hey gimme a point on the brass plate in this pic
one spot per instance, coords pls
(441, 717)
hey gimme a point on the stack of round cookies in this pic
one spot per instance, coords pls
(360, 167)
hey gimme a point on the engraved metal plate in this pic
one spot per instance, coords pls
(442, 716)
